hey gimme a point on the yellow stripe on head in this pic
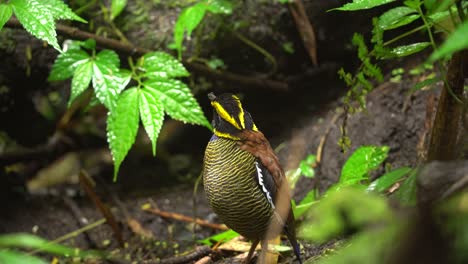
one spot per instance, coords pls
(241, 111)
(225, 115)
(224, 135)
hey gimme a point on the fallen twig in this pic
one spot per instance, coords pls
(323, 139)
(296, 7)
(185, 218)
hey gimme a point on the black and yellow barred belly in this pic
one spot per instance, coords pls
(230, 183)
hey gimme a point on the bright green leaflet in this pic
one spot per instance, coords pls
(187, 22)
(106, 78)
(81, 79)
(388, 179)
(66, 64)
(407, 50)
(122, 126)
(117, 7)
(223, 237)
(5, 14)
(177, 100)
(37, 20)
(60, 10)
(152, 115)
(458, 40)
(162, 65)
(362, 4)
(361, 162)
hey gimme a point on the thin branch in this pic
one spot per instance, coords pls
(75, 33)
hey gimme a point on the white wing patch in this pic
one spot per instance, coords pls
(262, 184)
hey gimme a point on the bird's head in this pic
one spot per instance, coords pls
(229, 117)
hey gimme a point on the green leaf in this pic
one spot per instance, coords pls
(388, 179)
(117, 7)
(89, 44)
(152, 115)
(424, 83)
(10, 256)
(107, 81)
(306, 203)
(361, 162)
(178, 102)
(221, 237)
(60, 10)
(122, 126)
(407, 192)
(29, 241)
(407, 50)
(66, 64)
(458, 40)
(81, 80)
(362, 4)
(306, 166)
(397, 17)
(188, 20)
(162, 65)
(347, 209)
(219, 7)
(37, 20)
(5, 14)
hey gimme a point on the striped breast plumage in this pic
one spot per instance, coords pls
(231, 182)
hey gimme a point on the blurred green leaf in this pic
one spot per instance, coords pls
(187, 21)
(152, 115)
(162, 65)
(388, 179)
(219, 6)
(5, 13)
(361, 162)
(28, 241)
(122, 126)
(178, 101)
(406, 50)
(362, 4)
(66, 63)
(37, 20)
(89, 44)
(306, 203)
(14, 257)
(407, 192)
(424, 83)
(221, 237)
(348, 209)
(458, 40)
(306, 166)
(117, 7)
(396, 17)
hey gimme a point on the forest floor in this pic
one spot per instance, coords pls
(393, 118)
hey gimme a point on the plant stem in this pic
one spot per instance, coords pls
(428, 27)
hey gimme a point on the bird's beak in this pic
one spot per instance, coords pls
(211, 96)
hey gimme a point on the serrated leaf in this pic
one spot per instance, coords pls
(407, 50)
(11, 256)
(220, 7)
(38, 21)
(424, 83)
(122, 126)
(178, 102)
(458, 40)
(60, 10)
(109, 60)
(106, 86)
(362, 4)
(397, 17)
(388, 179)
(152, 115)
(162, 65)
(361, 162)
(81, 79)
(117, 7)
(187, 21)
(5, 13)
(66, 63)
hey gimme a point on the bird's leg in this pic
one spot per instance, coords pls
(262, 259)
(251, 251)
